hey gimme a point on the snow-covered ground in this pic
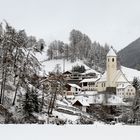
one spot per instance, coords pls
(69, 132)
(66, 117)
(49, 66)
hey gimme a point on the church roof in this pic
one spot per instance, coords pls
(122, 79)
(103, 77)
(111, 52)
(127, 75)
(130, 73)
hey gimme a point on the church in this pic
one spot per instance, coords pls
(117, 77)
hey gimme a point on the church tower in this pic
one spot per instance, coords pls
(111, 67)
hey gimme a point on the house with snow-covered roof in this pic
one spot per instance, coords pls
(125, 90)
(116, 77)
(90, 73)
(89, 84)
(81, 103)
(71, 90)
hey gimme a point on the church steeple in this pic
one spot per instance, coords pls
(111, 53)
(111, 66)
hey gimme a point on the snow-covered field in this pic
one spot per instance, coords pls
(49, 66)
(69, 132)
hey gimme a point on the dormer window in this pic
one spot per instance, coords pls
(112, 59)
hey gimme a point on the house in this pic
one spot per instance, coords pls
(90, 73)
(125, 90)
(72, 77)
(71, 90)
(89, 96)
(67, 75)
(76, 75)
(89, 84)
(116, 76)
(82, 104)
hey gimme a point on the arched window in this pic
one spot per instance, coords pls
(112, 59)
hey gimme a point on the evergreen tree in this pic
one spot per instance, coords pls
(78, 68)
(29, 103)
(136, 83)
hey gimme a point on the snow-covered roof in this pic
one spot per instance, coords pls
(90, 93)
(121, 79)
(70, 96)
(90, 71)
(74, 85)
(130, 73)
(67, 72)
(90, 80)
(103, 77)
(127, 75)
(82, 101)
(111, 53)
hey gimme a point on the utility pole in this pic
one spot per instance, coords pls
(63, 64)
(63, 61)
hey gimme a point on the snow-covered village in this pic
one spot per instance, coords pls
(77, 83)
(69, 69)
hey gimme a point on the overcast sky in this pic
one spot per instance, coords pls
(116, 22)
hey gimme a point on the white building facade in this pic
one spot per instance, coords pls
(120, 78)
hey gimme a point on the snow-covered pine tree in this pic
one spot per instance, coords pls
(136, 101)
(29, 103)
(136, 83)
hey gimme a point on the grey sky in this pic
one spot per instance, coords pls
(116, 22)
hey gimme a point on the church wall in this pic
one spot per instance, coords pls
(111, 66)
(101, 86)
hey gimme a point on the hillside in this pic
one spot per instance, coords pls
(52, 65)
(130, 55)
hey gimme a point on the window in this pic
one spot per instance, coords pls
(108, 59)
(112, 59)
(103, 84)
(85, 84)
